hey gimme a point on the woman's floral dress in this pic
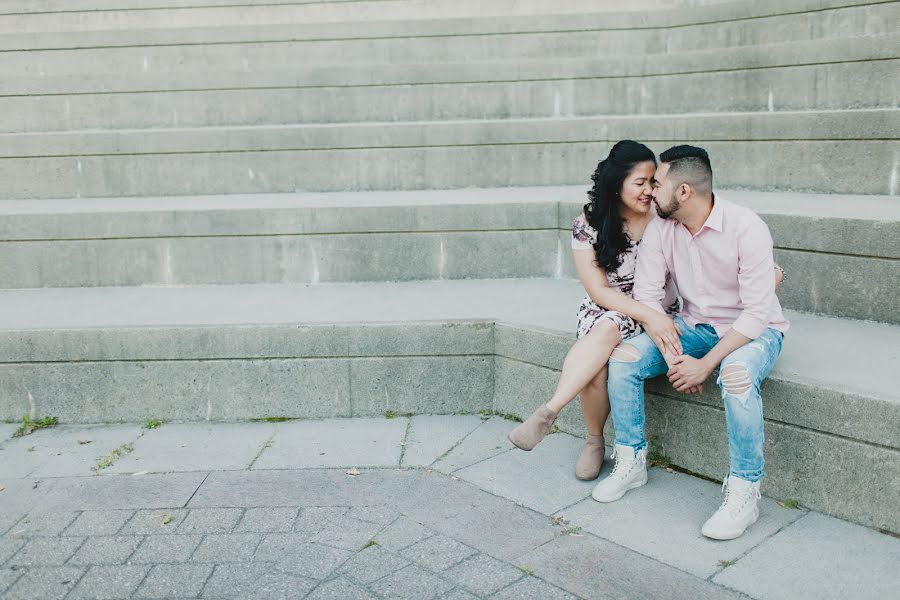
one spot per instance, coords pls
(589, 313)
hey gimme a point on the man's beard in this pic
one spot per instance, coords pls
(666, 213)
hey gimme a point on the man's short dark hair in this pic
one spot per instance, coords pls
(690, 165)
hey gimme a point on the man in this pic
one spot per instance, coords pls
(720, 258)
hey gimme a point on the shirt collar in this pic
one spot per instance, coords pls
(716, 216)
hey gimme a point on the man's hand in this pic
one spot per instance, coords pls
(687, 374)
(664, 333)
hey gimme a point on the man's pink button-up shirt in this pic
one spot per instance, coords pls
(724, 274)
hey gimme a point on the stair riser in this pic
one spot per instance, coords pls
(853, 167)
(788, 88)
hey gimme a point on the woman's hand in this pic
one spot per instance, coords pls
(664, 333)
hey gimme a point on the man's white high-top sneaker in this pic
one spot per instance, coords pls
(739, 510)
(630, 472)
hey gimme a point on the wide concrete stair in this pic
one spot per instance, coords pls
(247, 211)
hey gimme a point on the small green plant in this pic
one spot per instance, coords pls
(28, 426)
(370, 543)
(558, 521)
(790, 503)
(390, 414)
(571, 531)
(526, 570)
(109, 460)
(726, 563)
(152, 424)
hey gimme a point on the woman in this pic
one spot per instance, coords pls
(605, 240)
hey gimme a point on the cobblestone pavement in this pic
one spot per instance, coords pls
(420, 508)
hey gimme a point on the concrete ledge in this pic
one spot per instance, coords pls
(450, 234)
(829, 413)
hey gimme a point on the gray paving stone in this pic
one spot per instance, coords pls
(459, 594)
(532, 588)
(7, 430)
(58, 451)
(210, 520)
(819, 557)
(335, 443)
(498, 528)
(154, 522)
(228, 548)
(267, 520)
(99, 522)
(109, 582)
(314, 561)
(106, 550)
(590, 567)
(483, 574)
(437, 553)
(281, 586)
(122, 491)
(44, 584)
(166, 549)
(349, 534)
(542, 479)
(402, 533)
(380, 515)
(411, 582)
(340, 589)
(46, 551)
(9, 518)
(306, 487)
(484, 442)
(196, 447)
(9, 546)
(372, 564)
(663, 519)
(43, 523)
(314, 519)
(236, 581)
(8, 577)
(168, 581)
(430, 437)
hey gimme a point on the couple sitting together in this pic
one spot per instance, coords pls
(631, 326)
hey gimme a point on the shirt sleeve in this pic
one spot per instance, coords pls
(583, 235)
(651, 270)
(756, 280)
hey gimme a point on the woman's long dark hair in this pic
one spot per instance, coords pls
(602, 212)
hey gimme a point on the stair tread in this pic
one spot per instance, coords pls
(840, 354)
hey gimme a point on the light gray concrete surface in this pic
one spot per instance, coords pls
(373, 442)
(431, 437)
(674, 506)
(542, 479)
(81, 103)
(195, 447)
(308, 532)
(446, 155)
(711, 26)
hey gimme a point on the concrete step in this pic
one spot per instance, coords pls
(86, 18)
(783, 150)
(820, 75)
(237, 352)
(444, 40)
(437, 234)
(640, 12)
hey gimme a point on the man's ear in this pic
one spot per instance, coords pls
(685, 191)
